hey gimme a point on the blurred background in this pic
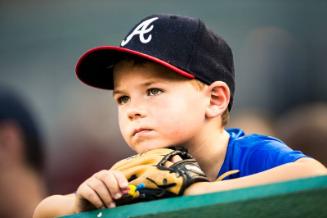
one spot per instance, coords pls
(280, 52)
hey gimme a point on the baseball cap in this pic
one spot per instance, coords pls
(182, 44)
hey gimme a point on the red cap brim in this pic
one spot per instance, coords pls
(94, 68)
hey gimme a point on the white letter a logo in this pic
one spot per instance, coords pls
(140, 30)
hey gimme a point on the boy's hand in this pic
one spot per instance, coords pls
(101, 190)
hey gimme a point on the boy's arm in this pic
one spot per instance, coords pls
(99, 191)
(55, 205)
(304, 167)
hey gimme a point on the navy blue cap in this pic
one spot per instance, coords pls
(182, 44)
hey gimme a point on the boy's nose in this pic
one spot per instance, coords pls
(134, 116)
(135, 113)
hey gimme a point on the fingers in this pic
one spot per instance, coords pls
(101, 190)
(103, 193)
(173, 160)
(176, 158)
(85, 192)
(121, 179)
(115, 182)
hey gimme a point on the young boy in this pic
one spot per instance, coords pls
(173, 81)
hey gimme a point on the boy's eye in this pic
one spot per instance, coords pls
(123, 99)
(154, 91)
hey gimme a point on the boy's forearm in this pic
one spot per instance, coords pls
(54, 206)
(305, 167)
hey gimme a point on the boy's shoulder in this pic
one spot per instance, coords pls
(252, 145)
(255, 153)
(239, 137)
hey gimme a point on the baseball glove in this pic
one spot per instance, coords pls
(151, 179)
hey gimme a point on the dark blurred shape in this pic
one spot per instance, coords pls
(14, 109)
(305, 128)
(21, 157)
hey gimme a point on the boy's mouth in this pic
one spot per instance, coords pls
(140, 130)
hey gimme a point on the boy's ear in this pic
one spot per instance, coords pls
(219, 98)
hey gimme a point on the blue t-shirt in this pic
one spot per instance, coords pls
(255, 153)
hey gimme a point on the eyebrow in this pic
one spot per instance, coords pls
(116, 92)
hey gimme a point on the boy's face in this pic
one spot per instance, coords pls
(156, 108)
